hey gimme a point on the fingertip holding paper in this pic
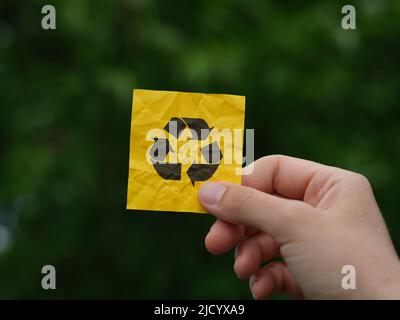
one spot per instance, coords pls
(179, 141)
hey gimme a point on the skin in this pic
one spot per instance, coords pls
(317, 218)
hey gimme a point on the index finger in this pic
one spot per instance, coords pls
(287, 176)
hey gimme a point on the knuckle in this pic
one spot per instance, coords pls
(271, 158)
(363, 180)
(359, 180)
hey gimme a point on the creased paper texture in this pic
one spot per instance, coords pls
(179, 141)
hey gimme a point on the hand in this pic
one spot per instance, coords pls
(317, 218)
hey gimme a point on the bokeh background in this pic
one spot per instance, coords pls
(313, 91)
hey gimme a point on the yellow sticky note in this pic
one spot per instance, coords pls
(180, 140)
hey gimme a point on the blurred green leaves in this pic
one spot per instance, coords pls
(313, 91)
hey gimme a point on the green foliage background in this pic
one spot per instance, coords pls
(313, 91)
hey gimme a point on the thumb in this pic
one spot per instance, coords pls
(244, 205)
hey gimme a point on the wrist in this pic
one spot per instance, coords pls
(388, 287)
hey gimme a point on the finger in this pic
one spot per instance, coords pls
(251, 231)
(252, 252)
(274, 278)
(223, 236)
(287, 176)
(243, 205)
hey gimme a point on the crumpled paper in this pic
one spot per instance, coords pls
(158, 179)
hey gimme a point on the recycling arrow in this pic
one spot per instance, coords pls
(197, 171)
(199, 127)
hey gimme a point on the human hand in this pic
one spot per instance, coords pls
(317, 218)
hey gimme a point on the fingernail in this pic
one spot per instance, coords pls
(211, 228)
(236, 251)
(209, 231)
(252, 280)
(211, 193)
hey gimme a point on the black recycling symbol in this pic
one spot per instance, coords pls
(197, 171)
